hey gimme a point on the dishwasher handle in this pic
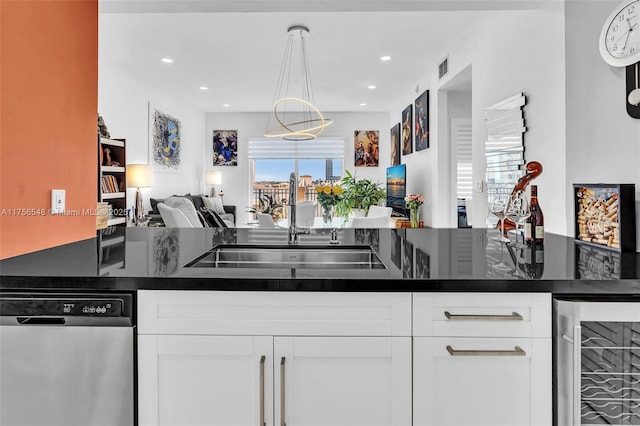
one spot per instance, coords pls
(41, 320)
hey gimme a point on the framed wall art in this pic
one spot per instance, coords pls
(165, 139)
(407, 126)
(421, 119)
(395, 145)
(365, 148)
(225, 147)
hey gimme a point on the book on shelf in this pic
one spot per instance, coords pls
(109, 184)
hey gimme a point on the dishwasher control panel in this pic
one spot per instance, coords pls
(64, 306)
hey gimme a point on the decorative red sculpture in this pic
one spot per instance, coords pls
(533, 169)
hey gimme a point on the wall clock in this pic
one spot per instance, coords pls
(620, 35)
(620, 47)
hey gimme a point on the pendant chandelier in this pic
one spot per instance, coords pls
(295, 117)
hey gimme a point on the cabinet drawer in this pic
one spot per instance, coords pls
(482, 314)
(487, 381)
(274, 313)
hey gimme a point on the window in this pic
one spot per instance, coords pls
(318, 161)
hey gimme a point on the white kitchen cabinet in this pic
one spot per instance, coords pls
(204, 380)
(482, 359)
(343, 381)
(198, 365)
(492, 382)
(228, 380)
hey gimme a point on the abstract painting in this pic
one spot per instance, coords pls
(421, 112)
(407, 126)
(395, 145)
(225, 147)
(365, 148)
(165, 133)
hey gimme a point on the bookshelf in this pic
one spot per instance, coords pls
(112, 182)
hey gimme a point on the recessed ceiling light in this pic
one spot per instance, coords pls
(226, 105)
(363, 104)
(371, 86)
(167, 60)
(385, 58)
(204, 88)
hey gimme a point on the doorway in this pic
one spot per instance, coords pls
(458, 94)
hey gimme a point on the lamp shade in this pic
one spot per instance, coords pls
(139, 175)
(213, 178)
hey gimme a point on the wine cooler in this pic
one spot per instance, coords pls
(597, 363)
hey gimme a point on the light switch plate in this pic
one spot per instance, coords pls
(57, 201)
(479, 186)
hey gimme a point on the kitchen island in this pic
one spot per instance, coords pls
(436, 335)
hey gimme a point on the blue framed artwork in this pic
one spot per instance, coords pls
(225, 147)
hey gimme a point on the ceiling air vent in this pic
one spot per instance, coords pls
(443, 68)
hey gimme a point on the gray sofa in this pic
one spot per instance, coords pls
(156, 219)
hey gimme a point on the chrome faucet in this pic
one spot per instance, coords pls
(293, 189)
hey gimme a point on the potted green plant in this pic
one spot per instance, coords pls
(358, 194)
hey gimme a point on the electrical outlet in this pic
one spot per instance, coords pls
(57, 201)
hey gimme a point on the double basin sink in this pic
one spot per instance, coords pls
(289, 256)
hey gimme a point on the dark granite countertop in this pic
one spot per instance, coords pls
(129, 259)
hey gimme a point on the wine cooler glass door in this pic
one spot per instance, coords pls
(597, 363)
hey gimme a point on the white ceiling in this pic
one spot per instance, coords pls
(235, 48)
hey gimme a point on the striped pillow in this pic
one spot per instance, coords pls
(213, 219)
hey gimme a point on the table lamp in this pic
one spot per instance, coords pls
(213, 178)
(138, 176)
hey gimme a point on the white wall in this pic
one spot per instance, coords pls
(603, 142)
(509, 52)
(235, 179)
(123, 102)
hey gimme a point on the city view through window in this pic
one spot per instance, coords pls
(271, 177)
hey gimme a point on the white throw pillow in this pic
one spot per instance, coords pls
(214, 203)
(186, 207)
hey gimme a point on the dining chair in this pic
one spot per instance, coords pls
(265, 221)
(305, 214)
(370, 222)
(379, 211)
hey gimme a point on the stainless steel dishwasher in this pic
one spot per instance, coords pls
(66, 359)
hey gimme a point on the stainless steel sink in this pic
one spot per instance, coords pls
(289, 256)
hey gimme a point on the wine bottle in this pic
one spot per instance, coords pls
(534, 261)
(534, 227)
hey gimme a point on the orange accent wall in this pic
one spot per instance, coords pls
(48, 113)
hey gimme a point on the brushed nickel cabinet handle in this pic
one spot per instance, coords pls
(282, 422)
(518, 351)
(472, 317)
(262, 359)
